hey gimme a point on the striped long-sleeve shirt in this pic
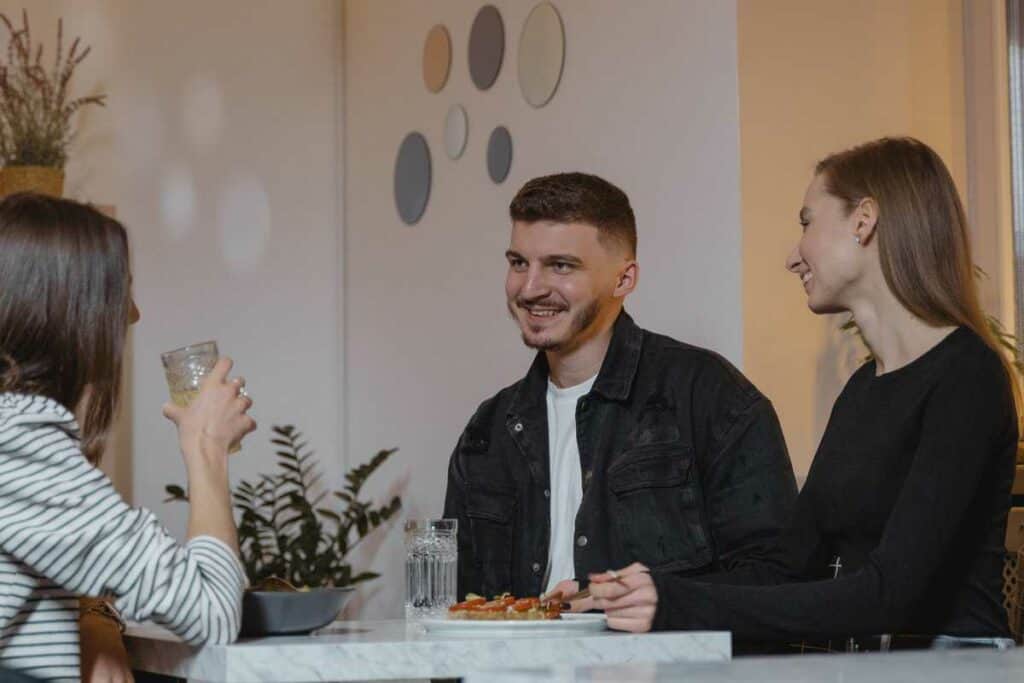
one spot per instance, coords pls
(65, 532)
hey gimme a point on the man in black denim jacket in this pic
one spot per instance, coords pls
(682, 461)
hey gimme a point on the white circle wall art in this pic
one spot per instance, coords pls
(412, 178)
(499, 154)
(486, 47)
(541, 54)
(203, 111)
(244, 217)
(437, 58)
(456, 130)
(178, 203)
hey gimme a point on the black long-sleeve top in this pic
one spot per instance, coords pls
(910, 489)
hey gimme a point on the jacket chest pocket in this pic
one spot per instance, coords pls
(491, 514)
(657, 508)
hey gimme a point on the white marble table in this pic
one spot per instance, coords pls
(924, 666)
(389, 650)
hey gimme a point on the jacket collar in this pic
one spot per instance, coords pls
(614, 380)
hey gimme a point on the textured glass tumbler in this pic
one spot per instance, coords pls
(431, 569)
(185, 369)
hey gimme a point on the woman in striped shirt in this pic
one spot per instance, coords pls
(65, 307)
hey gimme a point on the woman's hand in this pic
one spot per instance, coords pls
(216, 419)
(104, 659)
(627, 596)
(569, 588)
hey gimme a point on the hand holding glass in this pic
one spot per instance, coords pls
(186, 368)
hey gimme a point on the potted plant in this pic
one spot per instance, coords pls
(36, 109)
(293, 546)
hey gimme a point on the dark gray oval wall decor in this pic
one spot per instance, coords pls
(499, 154)
(486, 47)
(412, 178)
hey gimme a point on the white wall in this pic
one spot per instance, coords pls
(648, 99)
(219, 150)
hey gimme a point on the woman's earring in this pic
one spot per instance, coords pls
(856, 238)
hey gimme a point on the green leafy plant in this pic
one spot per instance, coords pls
(285, 530)
(35, 104)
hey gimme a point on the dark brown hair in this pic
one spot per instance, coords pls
(64, 307)
(922, 233)
(578, 198)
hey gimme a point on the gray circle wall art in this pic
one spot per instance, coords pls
(499, 154)
(412, 178)
(486, 47)
(437, 58)
(541, 54)
(456, 129)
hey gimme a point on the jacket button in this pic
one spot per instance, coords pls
(518, 427)
(581, 541)
(536, 567)
(547, 493)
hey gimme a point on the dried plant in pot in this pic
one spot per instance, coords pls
(37, 109)
(293, 545)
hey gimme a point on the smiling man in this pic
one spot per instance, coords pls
(619, 445)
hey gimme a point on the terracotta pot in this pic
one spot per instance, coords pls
(41, 179)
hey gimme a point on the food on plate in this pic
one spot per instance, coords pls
(507, 607)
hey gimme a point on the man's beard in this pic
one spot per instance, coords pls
(583, 319)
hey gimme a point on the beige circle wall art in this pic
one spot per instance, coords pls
(541, 54)
(437, 58)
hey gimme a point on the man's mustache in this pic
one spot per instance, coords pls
(550, 303)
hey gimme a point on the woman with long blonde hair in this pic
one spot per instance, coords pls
(897, 538)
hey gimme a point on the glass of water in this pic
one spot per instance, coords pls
(431, 552)
(185, 369)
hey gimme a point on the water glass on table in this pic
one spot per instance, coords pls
(431, 551)
(185, 369)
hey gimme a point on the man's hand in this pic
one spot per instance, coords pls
(627, 596)
(104, 659)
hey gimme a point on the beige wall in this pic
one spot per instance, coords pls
(816, 77)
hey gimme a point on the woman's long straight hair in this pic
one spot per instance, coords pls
(65, 301)
(923, 241)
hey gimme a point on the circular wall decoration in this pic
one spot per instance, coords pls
(541, 54)
(412, 178)
(499, 154)
(437, 58)
(456, 128)
(486, 47)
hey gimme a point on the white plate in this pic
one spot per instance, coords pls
(569, 623)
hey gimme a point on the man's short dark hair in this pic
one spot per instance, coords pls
(578, 198)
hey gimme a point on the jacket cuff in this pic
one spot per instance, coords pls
(664, 611)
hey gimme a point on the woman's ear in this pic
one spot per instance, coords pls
(866, 215)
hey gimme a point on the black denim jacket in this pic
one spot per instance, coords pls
(684, 468)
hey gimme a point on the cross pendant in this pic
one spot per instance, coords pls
(837, 564)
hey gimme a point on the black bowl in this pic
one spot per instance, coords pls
(268, 613)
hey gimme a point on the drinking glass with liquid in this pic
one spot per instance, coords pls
(431, 570)
(185, 369)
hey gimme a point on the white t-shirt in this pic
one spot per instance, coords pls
(566, 478)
